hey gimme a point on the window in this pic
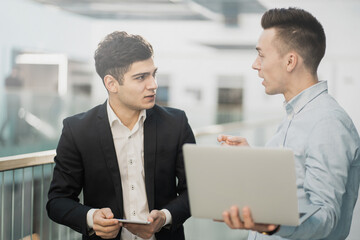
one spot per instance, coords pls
(162, 93)
(230, 99)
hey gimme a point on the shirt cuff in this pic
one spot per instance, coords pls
(168, 219)
(89, 218)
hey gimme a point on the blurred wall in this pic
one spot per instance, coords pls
(28, 26)
(182, 52)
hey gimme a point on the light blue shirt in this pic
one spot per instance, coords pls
(326, 146)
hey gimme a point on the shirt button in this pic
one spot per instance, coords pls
(135, 237)
(133, 213)
(131, 162)
(129, 137)
(132, 187)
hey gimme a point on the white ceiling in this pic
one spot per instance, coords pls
(158, 9)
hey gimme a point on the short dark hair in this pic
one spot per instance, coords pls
(298, 30)
(118, 51)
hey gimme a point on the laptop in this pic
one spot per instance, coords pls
(263, 179)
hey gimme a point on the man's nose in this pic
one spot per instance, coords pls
(152, 83)
(256, 64)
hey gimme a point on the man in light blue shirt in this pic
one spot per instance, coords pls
(324, 139)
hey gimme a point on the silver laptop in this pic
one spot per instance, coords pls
(263, 179)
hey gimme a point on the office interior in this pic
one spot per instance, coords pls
(204, 50)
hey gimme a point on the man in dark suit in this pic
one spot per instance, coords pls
(125, 155)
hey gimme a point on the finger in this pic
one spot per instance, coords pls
(108, 213)
(227, 220)
(154, 214)
(250, 224)
(157, 216)
(105, 217)
(107, 235)
(106, 226)
(265, 227)
(271, 227)
(235, 140)
(100, 220)
(242, 141)
(248, 221)
(235, 217)
(107, 222)
(105, 231)
(157, 219)
(109, 231)
(221, 138)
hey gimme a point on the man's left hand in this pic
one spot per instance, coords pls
(156, 218)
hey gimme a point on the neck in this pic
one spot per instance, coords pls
(127, 116)
(299, 83)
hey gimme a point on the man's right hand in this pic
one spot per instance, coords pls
(233, 220)
(232, 140)
(105, 226)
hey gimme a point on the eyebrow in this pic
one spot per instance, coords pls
(143, 73)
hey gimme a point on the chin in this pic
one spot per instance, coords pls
(148, 106)
(269, 92)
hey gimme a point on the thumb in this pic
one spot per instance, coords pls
(107, 213)
(220, 138)
(153, 215)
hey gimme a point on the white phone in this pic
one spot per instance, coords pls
(133, 221)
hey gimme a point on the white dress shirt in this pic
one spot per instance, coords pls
(129, 147)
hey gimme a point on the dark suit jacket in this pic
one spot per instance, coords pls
(86, 161)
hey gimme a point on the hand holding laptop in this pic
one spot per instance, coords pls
(232, 219)
(232, 216)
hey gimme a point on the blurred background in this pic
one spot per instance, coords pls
(203, 49)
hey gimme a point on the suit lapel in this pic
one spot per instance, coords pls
(149, 156)
(107, 146)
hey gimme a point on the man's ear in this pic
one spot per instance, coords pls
(291, 61)
(111, 83)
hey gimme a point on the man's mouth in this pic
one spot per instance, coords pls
(150, 96)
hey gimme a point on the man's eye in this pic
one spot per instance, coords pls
(140, 77)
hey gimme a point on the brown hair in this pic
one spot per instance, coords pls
(118, 51)
(297, 30)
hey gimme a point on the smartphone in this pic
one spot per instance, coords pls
(133, 221)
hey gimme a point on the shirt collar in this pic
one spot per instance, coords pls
(113, 118)
(299, 101)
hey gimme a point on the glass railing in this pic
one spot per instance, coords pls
(32, 121)
(25, 180)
